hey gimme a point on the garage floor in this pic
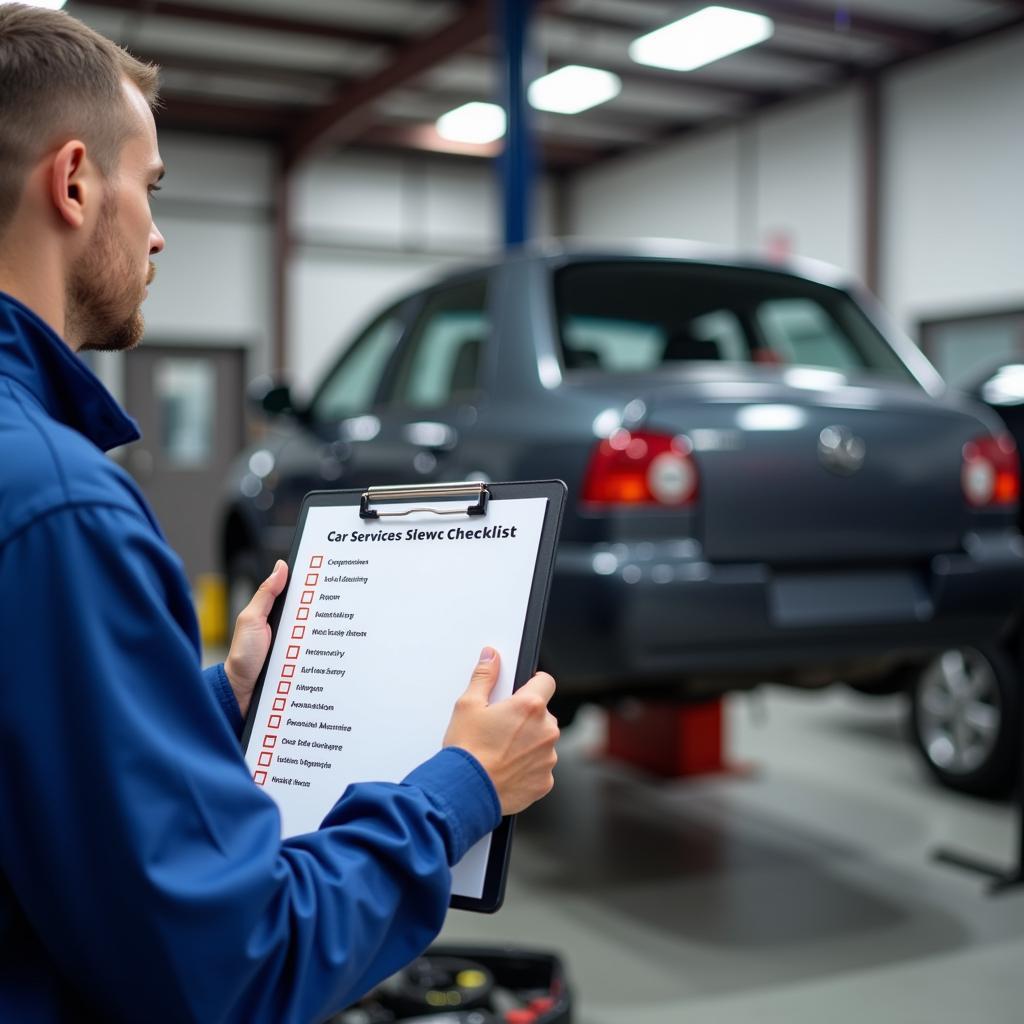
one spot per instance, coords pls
(799, 891)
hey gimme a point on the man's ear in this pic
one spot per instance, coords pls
(71, 183)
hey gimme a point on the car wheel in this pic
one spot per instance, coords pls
(244, 576)
(565, 709)
(965, 719)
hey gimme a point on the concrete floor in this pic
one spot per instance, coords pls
(798, 891)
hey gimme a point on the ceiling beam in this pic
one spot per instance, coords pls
(869, 76)
(231, 17)
(633, 29)
(251, 120)
(436, 101)
(798, 13)
(350, 110)
(626, 68)
(556, 154)
(693, 82)
(844, 21)
(230, 67)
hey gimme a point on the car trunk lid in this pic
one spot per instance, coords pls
(804, 466)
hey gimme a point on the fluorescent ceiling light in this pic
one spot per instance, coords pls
(701, 38)
(472, 122)
(574, 88)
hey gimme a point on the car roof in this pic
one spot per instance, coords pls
(559, 252)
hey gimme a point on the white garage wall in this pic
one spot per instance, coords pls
(953, 223)
(331, 294)
(366, 227)
(952, 227)
(684, 190)
(808, 179)
(212, 284)
(369, 227)
(790, 176)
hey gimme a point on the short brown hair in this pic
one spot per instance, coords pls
(60, 80)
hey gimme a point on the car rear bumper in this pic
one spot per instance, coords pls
(653, 613)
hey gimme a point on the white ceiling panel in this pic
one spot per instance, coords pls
(303, 53)
(203, 85)
(405, 17)
(142, 33)
(922, 13)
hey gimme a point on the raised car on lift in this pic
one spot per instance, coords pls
(767, 482)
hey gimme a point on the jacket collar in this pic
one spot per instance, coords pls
(34, 355)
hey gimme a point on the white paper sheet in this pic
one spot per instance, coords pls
(382, 627)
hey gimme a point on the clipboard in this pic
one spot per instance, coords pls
(327, 710)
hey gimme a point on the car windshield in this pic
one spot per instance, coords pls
(636, 316)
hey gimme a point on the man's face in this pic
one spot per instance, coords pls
(108, 285)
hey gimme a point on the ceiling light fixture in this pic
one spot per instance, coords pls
(472, 122)
(700, 38)
(573, 89)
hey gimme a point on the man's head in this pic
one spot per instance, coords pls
(78, 159)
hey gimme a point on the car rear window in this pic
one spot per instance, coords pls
(636, 316)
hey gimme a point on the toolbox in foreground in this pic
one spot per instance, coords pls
(453, 984)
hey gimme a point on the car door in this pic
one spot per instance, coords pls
(340, 418)
(432, 391)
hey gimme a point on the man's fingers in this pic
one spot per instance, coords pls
(541, 685)
(269, 590)
(485, 675)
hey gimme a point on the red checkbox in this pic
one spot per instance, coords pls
(279, 703)
(302, 614)
(307, 597)
(265, 758)
(261, 778)
(298, 632)
(274, 722)
(316, 561)
(270, 741)
(288, 671)
(283, 687)
(293, 652)
(311, 579)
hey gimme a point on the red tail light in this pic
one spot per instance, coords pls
(990, 475)
(641, 468)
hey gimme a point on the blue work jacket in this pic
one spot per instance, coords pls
(142, 872)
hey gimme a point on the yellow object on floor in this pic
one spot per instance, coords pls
(211, 600)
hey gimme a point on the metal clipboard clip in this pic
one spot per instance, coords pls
(477, 491)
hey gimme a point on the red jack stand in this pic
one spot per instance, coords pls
(669, 739)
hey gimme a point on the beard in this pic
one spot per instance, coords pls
(104, 295)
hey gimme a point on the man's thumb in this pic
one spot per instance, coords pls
(485, 675)
(263, 600)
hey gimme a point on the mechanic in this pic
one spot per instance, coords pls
(142, 873)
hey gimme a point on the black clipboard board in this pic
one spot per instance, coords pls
(473, 501)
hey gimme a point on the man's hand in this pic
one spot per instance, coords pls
(514, 739)
(251, 641)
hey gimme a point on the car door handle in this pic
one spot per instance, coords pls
(431, 436)
(358, 428)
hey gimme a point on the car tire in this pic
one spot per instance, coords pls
(565, 709)
(965, 719)
(244, 576)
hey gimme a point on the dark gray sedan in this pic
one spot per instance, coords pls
(766, 482)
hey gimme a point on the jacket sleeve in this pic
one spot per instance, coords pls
(133, 838)
(216, 678)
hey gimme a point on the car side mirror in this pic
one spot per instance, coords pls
(1003, 386)
(271, 397)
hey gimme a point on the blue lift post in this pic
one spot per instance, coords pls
(516, 164)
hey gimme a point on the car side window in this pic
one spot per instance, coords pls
(441, 364)
(802, 332)
(352, 386)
